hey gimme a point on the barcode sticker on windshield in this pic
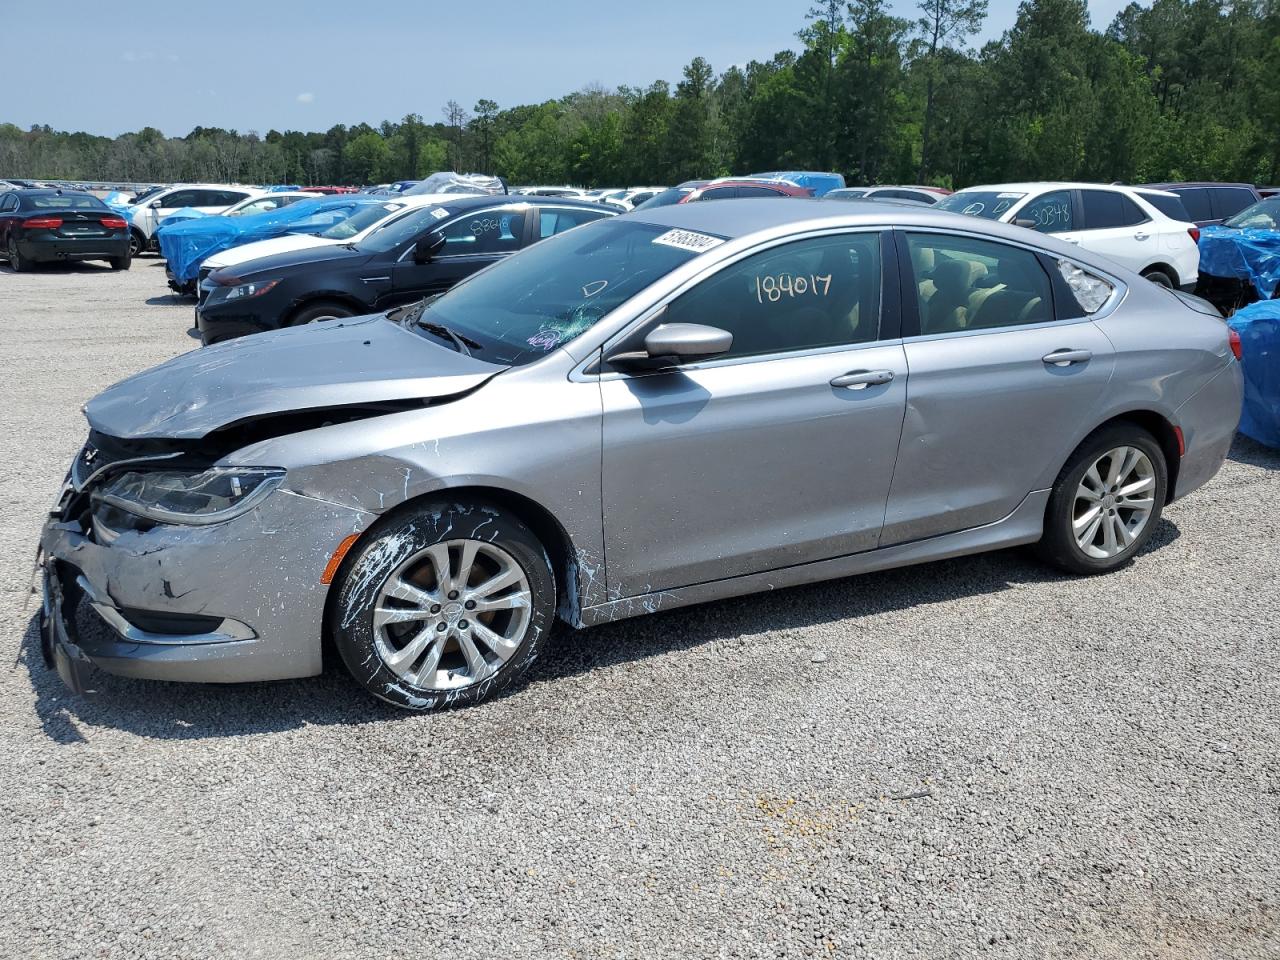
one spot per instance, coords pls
(440, 213)
(688, 240)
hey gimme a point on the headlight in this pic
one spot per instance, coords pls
(182, 496)
(245, 290)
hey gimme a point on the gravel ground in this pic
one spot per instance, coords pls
(976, 757)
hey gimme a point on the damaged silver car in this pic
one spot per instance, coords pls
(679, 405)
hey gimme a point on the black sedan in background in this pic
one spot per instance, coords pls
(423, 252)
(41, 226)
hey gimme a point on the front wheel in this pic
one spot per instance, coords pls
(137, 243)
(323, 310)
(444, 604)
(1106, 502)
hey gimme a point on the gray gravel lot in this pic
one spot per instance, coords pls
(976, 757)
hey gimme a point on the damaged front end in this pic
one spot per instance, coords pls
(195, 571)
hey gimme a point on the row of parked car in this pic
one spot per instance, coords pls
(200, 229)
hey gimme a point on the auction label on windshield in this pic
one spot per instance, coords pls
(688, 240)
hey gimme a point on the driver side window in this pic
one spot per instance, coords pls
(820, 292)
(495, 230)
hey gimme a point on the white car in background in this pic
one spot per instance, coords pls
(1146, 230)
(631, 198)
(352, 230)
(271, 201)
(208, 198)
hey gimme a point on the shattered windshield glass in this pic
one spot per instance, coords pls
(547, 295)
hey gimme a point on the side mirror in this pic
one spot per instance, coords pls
(426, 249)
(1024, 222)
(670, 344)
(157, 204)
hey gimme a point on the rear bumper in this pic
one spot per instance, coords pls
(89, 248)
(1208, 421)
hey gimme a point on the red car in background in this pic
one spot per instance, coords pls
(330, 191)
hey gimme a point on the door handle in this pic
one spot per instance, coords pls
(1075, 240)
(861, 379)
(1140, 235)
(1064, 358)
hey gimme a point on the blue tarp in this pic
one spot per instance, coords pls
(186, 245)
(1252, 255)
(179, 216)
(1259, 327)
(819, 183)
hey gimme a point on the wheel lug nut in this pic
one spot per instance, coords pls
(453, 594)
(462, 624)
(442, 627)
(435, 608)
(470, 604)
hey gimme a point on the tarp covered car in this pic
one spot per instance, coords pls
(1259, 327)
(1240, 260)
(186, 245)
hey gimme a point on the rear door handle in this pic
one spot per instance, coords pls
(1064, 358)
(861, 379)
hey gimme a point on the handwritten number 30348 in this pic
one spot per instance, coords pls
(773, 288)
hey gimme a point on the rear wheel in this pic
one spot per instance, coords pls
(321, 310)
(17, 262)
(445, 604)
(1107, 501)
(1160, 278)
(121, 263)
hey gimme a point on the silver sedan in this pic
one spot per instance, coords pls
(679, 405)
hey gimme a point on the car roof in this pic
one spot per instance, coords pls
(468, 201)
(1199, 183)
(738, 218)
(49, 191)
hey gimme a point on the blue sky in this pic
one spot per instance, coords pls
(308, 65)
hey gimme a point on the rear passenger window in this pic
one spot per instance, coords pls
(968, 284)
(1106, 209)
(1196, 200)
(1228, 201)
(822, 292)
(719, 193)
(1169, 204)
(1050, 213)
(758, 192)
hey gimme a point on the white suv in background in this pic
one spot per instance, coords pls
(206, 197)
(1146, 230)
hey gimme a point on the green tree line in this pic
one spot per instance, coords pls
(1183, 89)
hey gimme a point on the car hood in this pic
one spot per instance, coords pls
(333, 364)
(334, 255)
(267, 248)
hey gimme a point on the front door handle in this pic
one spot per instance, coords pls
(1064, 358)
(861, 379)
(1140, 235)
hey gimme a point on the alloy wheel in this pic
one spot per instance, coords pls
(452, 614)
(1113, 502)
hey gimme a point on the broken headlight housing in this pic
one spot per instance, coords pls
(188, 496)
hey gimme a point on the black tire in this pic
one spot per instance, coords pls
(121, 263)
(17, 262)
(397, 541)
(1160, 279)
(1058, 546)
(137, 244)
(320, 310)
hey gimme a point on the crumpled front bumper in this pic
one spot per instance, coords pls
(223, 603)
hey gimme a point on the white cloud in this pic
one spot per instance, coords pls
(306, 97)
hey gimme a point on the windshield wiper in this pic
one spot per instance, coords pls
(463, 343)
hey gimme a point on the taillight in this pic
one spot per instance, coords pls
(114, 223)
(42, 223)
(1233, 338)
(1194, 233)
